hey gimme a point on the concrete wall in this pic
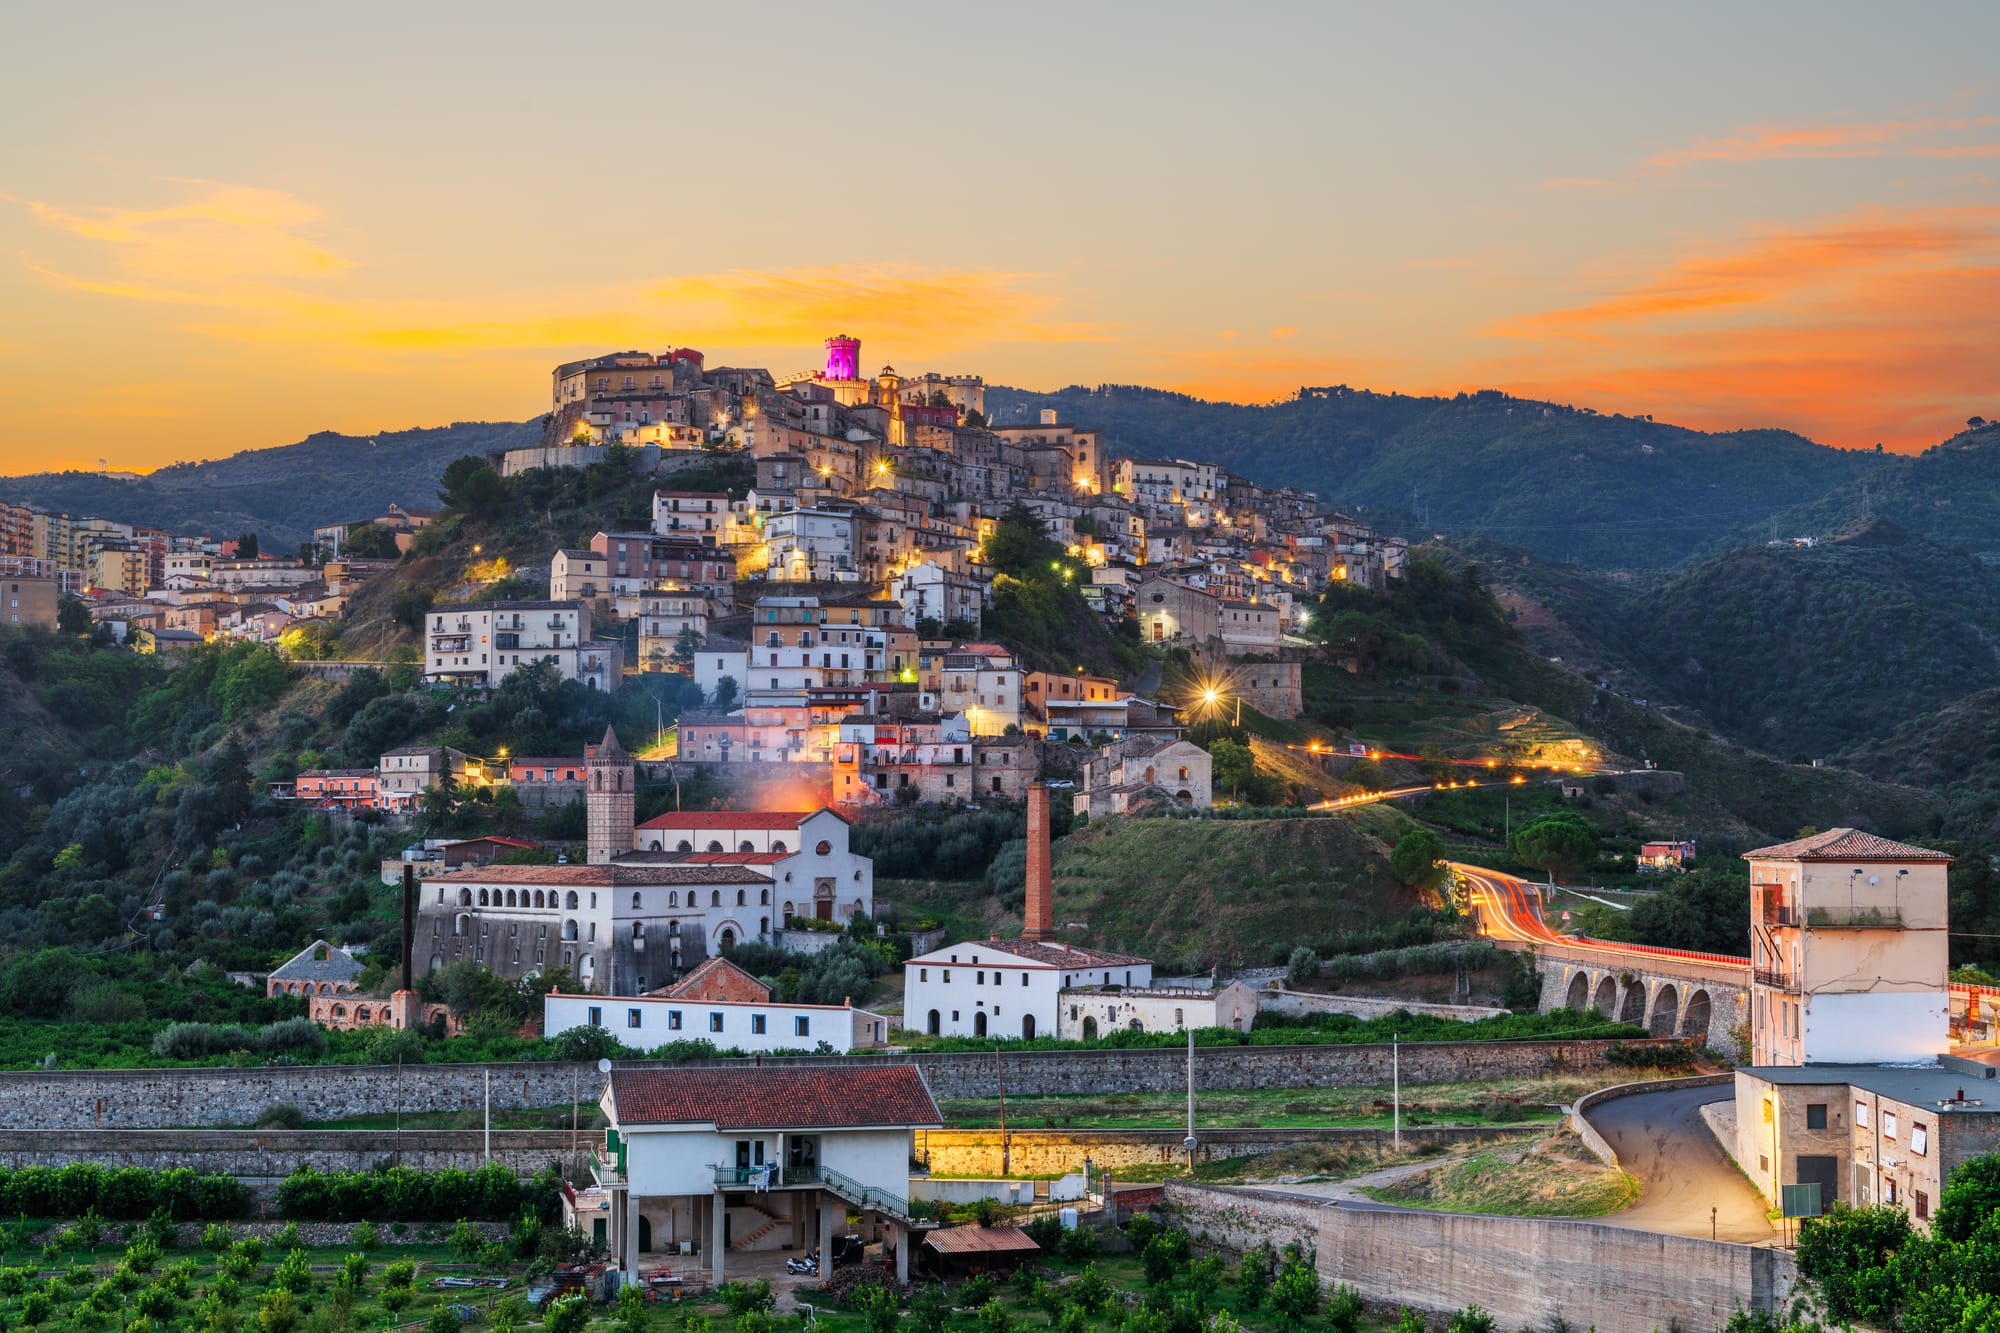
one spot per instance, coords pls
(1524, 1271)
(1040, 1152)
(145, 1098)
(1578, 1118)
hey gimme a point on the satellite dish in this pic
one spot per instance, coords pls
(604, 1065)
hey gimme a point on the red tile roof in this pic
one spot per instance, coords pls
(814, 1097)
(600, 877)
(1845, 844)
(731, 858)
(712, 819)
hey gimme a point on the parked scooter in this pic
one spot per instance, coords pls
(803, 1265)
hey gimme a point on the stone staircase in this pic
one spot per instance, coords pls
(764, 1228)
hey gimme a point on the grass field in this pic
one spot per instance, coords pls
(1554, 1177)
(1500, 1101)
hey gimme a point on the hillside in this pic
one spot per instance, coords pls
(1954, 751)
(280, 493)
(1611, 491)
(1192, 893)
(1950, 494)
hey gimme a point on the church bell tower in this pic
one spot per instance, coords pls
(608, 803)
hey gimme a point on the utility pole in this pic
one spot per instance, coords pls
(1000, 1081)
(1396, 1092)
(1190, 1143)
(489, 1117)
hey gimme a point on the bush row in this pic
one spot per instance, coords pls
(491, 1193)
(127, 1193)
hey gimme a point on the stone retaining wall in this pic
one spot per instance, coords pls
(151, 1098)
(1278, 1000)
(1042, 1152)
(267, 1154)
(1524, 1271)
(1578, 1115)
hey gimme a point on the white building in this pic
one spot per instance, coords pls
(718, 658)
(619, 928)
(644, 1022)
(804, 855)
(1089, 1012)
(482, 643)
(810, 544)
(1006, 988)
(662, 618)
(699, 514)
(929, 591)
(984, 683)
(1249, 627)
(702, 1164)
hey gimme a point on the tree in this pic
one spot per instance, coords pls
(1560, 843)
(1234, 764)
(1366, 774)
(686, 644)
(410, 604)
(1847, 1256)
(246, 546)
(73, 616)
(472, 487)
(1418, 859)
(725, 694)
(1301, 967)
(1296, 1293)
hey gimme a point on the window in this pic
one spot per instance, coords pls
(923, 974)
(715, 1022)
(980, 978)
(757, 1024)
(673, 1020)
(802, 1026)
(596, 1016)
(1816, 1115)
(1888, 1124)
(1763, 1164)
(1923, 1206)
(1861, 1115)
(633, 1018)
(1024, 978)
(947, 974)
(1920, 1138)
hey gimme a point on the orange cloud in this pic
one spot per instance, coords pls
(222, 237)
(1284, 331)
(1759, 143)
(1862, 329)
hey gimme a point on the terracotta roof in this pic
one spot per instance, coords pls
(732, 819)
(819, 1097)
(697, 984)
(1845, 844)
(981, 1240)
(602, 877)
(1049, 955)
(732, 858)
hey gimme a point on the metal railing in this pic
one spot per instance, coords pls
(1856, 917)
(1774, 976)
(866, 1196)
(767, 1177)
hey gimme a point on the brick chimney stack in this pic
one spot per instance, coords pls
(1039, 921)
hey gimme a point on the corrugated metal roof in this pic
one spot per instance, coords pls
(980, 1240)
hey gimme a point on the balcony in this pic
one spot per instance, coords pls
(772, 1177)
(1780, 978)
(1855, 917)
(1779, 916)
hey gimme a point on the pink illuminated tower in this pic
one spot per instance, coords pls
(843, 357)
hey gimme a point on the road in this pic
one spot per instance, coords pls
(1682, 1171)
(1509, 909)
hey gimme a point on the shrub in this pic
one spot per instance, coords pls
(215, 1236)
(1253, 1276)
(365, 1235)
(354, 1272)
(1165, 1256)
(992, 1317)
(465, 1241)
(930, 1309)
(442, 1320)
(294, 1273)
(1302, 966)
(1079, 1243)
(877, 1308)
(399, 1274)
(279, 1313)
(491, 1193)
(281, 1115)
(1295, 1294)
(741, 1298)
(1471, 1319)
(1344, 1310)
(1088, 1290)
(976, 1290)
(394, 1299)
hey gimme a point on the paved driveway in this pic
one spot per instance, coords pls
(1683, 1172)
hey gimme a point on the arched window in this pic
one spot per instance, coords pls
(510, 898)
(465, 897)
(685, 846)
(779, 847)
(653, 844)
(569, 899)
(325, 989)
(674, 899)
(483, 899)
(746, 847)
(674, 929)
(824, 848)
(763, 925)
(715, 899)
(458, 926)
(569, 931)
(340, 1011)
(763, 897)
(538, 899)
(361, 1013)
(714, 845)
(635, 900)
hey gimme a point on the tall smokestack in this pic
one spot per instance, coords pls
(1039, 920)
(409, 920)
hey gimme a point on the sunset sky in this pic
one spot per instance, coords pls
(227, 226)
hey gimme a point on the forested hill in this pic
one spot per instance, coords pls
(1949, 493)
(280, 493)
(1610, 491)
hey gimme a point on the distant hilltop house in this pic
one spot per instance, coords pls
(1666, 855)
